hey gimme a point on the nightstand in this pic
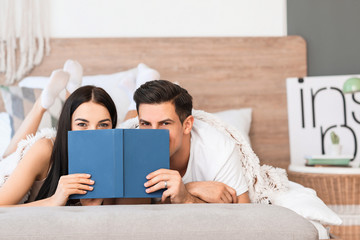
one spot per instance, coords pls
(339, 188)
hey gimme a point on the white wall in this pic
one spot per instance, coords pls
(166, 18)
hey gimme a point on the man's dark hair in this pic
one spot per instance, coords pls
(160, 91)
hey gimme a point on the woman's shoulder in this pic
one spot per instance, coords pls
(42, 139)
(45, 142)
(39, 154)
(43, 147)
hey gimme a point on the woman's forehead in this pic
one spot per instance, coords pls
(91, 109)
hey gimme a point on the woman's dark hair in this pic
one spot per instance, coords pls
(59, 155)
(160, 91)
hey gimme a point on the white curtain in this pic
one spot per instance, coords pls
(25, 21)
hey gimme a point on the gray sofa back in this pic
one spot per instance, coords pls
(195, 221)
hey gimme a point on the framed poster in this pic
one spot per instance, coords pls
(316, 107)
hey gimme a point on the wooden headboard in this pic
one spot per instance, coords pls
(220, 73)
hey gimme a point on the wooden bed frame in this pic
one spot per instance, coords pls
(220, 73)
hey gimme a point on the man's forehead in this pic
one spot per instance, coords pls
(157, 112)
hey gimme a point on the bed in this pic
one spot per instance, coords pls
(220, 74)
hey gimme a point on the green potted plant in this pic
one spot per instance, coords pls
(336, 147)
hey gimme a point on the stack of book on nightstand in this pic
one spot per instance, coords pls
(328, 160)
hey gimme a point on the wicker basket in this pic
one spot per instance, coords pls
(333, 189)
(346, 232)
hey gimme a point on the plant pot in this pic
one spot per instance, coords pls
(336, 149)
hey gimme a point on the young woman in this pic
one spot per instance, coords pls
(43, 168)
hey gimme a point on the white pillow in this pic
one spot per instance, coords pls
(304, 202)
(5, 132)
(238, 118)
(34, 82)
(119, 86)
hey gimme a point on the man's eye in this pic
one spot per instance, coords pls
(144, 124)
(166, 123)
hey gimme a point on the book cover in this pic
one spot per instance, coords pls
(118, 160)
(328, 160)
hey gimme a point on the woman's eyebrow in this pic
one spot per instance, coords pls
(105, 120)
(84, 120)
(81, 119)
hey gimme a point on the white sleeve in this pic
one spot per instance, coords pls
(231, 173)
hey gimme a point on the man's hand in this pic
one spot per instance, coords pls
(212, 192)
(172, 182)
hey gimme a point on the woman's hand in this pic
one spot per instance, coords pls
(212, 192)
(91, 201)
(71, 184)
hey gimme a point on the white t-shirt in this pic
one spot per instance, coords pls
(214, 157)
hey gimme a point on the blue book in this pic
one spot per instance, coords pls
(118, 160)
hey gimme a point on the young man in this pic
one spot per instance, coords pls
(205, 164)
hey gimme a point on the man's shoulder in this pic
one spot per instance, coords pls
(204, 129)
(209, 135)
(210, 149)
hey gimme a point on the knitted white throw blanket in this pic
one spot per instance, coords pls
(8, 164)
(263, 181)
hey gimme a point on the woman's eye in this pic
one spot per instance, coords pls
(81, 124)
(104, 125)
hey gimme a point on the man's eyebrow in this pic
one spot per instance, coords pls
(167, 120)
(162, 121)
(142, 120)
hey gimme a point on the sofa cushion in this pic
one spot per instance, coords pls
(170, 221)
